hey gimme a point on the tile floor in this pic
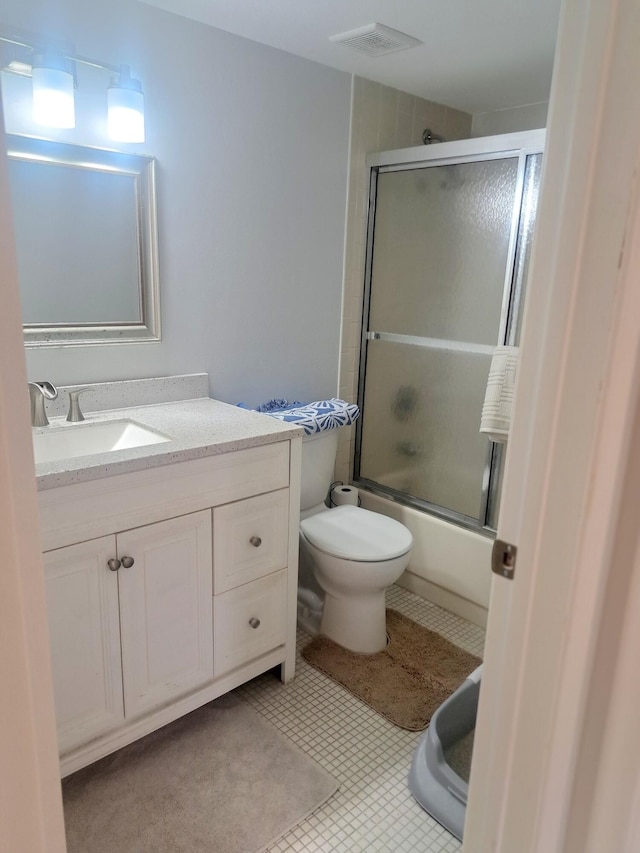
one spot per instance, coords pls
(373, 810)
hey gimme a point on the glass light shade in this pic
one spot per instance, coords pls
(125, 109)
(53, 101)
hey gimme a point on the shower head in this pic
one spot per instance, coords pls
(429, 137)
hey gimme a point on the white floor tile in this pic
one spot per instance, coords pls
(374, 810)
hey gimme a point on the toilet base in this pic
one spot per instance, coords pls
(358, 623)
(310, 606)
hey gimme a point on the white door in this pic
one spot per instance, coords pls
(31, 800)
(541, 759)
(165, 610)
(84, 629)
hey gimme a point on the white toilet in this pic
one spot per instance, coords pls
(354, 555)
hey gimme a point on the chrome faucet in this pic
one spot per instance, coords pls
(38, 393)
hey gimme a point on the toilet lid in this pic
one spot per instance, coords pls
(353, 533)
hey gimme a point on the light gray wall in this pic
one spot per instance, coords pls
(252, 148)
(513, 120)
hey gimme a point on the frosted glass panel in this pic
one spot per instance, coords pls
(420, 423)
(446, 287)
(526, 227)
(441, 244)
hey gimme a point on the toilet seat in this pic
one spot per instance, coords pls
(352, 533)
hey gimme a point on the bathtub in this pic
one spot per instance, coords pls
(449, 566)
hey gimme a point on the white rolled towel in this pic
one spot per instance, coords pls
(495, 421)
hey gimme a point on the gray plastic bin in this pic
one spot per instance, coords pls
(443, 756)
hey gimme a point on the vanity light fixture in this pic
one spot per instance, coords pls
(125, 108)
(53, 99)
(53, 78)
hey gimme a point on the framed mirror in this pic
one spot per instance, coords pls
(86, 240)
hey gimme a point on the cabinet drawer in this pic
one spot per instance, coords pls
(250, 539)
(249, 621)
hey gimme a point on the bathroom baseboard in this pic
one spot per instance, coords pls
(444, 598)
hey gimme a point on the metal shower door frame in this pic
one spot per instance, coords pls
(506, 146)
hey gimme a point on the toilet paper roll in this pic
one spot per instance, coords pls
(344, 496)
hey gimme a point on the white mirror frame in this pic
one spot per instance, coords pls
(142, 168)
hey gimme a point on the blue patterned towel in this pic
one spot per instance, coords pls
(277, 406)
(319, 416)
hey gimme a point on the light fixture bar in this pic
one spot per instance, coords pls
(72, 57)
(22, 69)
(84, 60)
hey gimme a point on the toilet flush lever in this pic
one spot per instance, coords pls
(503, 559)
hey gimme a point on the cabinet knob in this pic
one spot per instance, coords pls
(256, 541)
(255, 623)
(127, 562)
(114, 564)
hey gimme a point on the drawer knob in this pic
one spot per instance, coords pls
(127, 562)
(255, 623)
(256, 541)
(114, 564)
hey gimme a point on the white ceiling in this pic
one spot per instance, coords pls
(477, 55)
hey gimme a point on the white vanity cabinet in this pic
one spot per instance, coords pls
(167, 587)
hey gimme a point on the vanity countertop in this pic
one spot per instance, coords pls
(196, 428)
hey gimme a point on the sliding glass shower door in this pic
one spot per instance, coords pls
(447, 252)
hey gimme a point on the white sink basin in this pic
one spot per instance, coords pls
(51, 444)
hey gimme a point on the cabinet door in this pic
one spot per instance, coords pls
(84, 630)
(165, 610)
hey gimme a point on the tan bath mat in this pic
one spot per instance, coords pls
(221, 779)
(407, 681)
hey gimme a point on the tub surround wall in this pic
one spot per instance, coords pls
(449, 566)
(527, 117)
(252, 155)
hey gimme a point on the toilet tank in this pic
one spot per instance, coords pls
(318, 462)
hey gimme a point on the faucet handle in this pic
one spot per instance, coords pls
(75, 413)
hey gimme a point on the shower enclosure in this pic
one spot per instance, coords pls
(448, 244)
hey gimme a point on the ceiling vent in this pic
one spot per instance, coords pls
(375, 40)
